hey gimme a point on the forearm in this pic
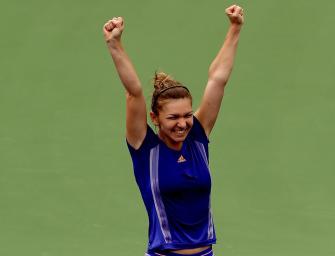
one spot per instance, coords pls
(125, 68)
(221, 67)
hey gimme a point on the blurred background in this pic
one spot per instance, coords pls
(66, 179)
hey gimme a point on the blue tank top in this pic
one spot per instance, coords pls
(175, 187)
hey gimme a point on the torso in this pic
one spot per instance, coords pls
(175, 187)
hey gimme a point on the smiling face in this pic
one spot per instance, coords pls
(174, 120)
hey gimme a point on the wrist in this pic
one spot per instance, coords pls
(114, 43)
(235, 29)
(236, 26)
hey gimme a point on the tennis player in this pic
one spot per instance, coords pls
(171, 166)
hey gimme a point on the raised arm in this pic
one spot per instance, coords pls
(136, 117)
(219, 71)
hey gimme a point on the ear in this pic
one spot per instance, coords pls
(154, 118)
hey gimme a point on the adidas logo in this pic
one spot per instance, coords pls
(181, 159)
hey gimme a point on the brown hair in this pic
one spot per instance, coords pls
(165, 87)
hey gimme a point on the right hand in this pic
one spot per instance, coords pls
(113, 29)
(235, 14)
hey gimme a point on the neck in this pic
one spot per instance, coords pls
(169, 143)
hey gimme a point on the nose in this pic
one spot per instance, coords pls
(182, 123)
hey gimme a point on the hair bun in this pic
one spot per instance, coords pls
(166, 88)
(163, 80)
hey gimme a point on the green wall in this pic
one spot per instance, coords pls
(66, 181)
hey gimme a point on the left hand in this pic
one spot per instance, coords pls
(235, 14)
(113, 29)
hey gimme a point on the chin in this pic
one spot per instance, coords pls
(180, 138)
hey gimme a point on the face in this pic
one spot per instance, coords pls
(174, 121)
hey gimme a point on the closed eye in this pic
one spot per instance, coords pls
(175, 117)
(172, 117)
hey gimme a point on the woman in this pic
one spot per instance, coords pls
(171, 167)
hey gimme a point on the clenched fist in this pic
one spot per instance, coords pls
(113, 29)
(235, 14)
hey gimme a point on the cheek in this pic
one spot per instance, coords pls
(167, 125)
(190, 123)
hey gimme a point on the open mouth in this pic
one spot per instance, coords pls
(181, 132)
